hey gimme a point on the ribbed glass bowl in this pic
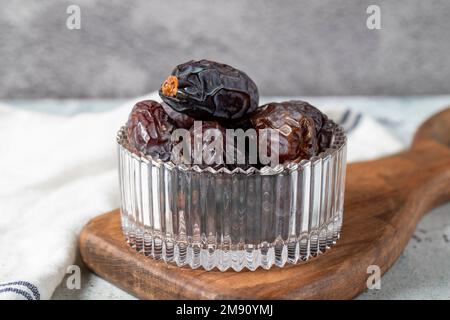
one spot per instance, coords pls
(232, 219)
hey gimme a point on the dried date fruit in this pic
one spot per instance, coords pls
(149, 129)
(326, 133)
(297, 124)
(207, 153)
(181, 120)
(209, 90)
(202, 138)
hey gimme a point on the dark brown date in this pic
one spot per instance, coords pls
(208, 90)
(201, 139)
(326, 133)
(149, 129)
(297, 123)
(181, 120)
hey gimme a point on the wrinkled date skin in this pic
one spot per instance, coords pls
(201, 140)
(149, 129)
(181, 120)
(208, 90)
(326, 134)
(298, 125)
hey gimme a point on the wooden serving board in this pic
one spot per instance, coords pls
(384, 201)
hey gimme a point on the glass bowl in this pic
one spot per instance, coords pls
(202, 217)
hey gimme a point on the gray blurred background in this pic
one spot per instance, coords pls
(126, 48)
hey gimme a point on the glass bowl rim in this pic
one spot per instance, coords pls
(339, 141)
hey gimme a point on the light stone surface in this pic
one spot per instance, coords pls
(421, 272)
(297, 47)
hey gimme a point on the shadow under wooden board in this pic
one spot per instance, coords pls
(384, 201)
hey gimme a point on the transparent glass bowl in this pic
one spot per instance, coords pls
(232, 219)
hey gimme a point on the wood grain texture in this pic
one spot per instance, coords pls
(384, 201)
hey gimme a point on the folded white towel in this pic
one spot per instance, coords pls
(58, 172)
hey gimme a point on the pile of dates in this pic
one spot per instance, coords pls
(205, 95)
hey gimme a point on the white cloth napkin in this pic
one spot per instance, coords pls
(58, 172)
